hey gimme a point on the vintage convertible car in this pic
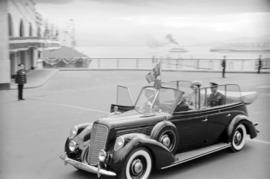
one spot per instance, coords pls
(163, 128)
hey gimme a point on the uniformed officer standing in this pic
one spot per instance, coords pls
(21, 80)
(259, 64)
(223, 65)
(215, 98)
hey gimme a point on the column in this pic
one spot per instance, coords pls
(4, 46)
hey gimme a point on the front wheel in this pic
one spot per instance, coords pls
(238, 138)
(138, 165)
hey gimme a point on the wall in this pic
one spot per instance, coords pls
(22, 10)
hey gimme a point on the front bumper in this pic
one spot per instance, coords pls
(86, 167)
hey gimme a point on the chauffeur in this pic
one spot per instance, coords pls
(215, 98)
(20, 80)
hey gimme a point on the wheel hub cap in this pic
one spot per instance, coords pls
(238, 137)
(137, 167)
(166, 140)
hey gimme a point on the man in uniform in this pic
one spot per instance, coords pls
(223, 65)
(215, 98)
(259, 64)
(20, 80)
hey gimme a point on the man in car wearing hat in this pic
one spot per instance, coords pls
(215, 98)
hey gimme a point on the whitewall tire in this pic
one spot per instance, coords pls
(138, 165)
(238, 138)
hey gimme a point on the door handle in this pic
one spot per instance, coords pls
(228, 115)
(205, 120)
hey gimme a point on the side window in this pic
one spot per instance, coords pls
(123, 96)
(211, 97)
(233, 94)
(222, 95)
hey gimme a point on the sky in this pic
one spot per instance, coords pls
(150, 22)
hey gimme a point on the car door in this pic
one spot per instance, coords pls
(124, 100)
(192, 129)
(220, 116)
(215, 125)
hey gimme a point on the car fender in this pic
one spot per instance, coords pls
(160, 154)
(159, 126)
(84, 131)
(248, 124)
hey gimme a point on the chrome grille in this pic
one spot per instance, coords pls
(98, 140)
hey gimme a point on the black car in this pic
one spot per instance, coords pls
(165, 127)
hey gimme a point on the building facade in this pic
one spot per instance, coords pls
(23, 38)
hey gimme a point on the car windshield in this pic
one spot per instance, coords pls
(158, 100)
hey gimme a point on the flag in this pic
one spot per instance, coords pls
(153, 75)
(150, 77)
(156, 70)
(157, 84)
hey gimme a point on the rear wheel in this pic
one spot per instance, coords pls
(238, 138)
(138, 165)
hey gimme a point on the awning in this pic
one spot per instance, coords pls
(63, 53)
(65, 57)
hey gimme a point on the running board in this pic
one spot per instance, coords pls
(197, 153)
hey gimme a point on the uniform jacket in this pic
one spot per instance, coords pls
(260, 63)
(216, 99)
(21, 77)
(223, 63)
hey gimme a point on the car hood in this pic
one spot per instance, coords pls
(133, 118)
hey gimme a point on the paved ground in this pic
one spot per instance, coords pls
(32, 132)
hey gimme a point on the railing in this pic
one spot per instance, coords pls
(178, 64)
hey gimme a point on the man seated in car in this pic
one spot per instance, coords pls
(193, 98)
(182, 106)
(216, 98)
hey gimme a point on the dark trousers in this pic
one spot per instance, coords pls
(223, 72)
(20, 92)
(259, 69)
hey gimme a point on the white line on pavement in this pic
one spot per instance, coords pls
(261, 141)
(81, 108)
(72, 106)
(263, 86)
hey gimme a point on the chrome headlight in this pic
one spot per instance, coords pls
(102, 155)
(119, 143)
(72, 145)
(73, 132)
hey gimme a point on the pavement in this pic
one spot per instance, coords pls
(33, 132)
